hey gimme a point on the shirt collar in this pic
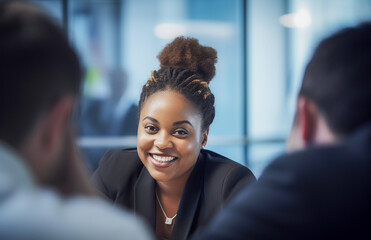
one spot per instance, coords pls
(13, 170)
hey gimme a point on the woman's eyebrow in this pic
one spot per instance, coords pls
(150, 118)
(182, 122)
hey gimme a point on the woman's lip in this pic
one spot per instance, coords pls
(162, 164)
(161, 154)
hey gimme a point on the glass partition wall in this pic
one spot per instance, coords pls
(262, 45)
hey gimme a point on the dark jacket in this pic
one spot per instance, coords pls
(122, 177)
(319, 193)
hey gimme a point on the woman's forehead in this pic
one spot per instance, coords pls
(170, 106)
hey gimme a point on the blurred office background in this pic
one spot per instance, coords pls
(263, 47)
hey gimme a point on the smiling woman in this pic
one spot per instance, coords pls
(170, 180)
(170, 137)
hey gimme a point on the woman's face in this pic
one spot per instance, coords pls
(169, 136)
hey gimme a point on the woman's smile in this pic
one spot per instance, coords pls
(161, 160)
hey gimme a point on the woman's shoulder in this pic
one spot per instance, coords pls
(120, 163)
(225, 174)
(116, 173)
(215, 160)
(116, 157)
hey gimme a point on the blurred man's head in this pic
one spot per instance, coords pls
(335, 96)
(39, 80)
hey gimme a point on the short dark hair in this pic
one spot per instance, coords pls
(338, 79)
(187, 68)
(37, 67)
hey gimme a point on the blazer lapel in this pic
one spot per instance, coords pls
(144, 197)
(189, 203)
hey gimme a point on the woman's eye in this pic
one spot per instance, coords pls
(181, 132)
(150, 129)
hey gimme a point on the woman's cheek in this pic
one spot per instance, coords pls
(190, 146)
(143, 138)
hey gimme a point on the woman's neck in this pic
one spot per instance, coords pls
(172, 189)
(169, 196)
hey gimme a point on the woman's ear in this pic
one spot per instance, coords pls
(204, 138)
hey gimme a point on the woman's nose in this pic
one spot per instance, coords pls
(163, 141)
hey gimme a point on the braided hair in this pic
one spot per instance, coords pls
(187, 68)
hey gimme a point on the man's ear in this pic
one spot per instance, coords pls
(307, 120)
(204, 137)
(54, 123)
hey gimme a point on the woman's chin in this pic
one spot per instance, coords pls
(160, 176)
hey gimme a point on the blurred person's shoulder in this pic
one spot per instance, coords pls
(352, 154)
(42, 214)
(331, 184)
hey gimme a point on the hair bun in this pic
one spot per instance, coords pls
(187, 53)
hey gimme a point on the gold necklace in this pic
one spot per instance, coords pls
(168, 220)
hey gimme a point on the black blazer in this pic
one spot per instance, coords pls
(122, 178)
(320, 193)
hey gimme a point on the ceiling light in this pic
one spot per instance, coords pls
(301, 19)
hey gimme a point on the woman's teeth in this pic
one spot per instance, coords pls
(163, 158)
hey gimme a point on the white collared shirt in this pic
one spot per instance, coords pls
(28, 211)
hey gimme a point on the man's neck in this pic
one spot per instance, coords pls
(323, 134)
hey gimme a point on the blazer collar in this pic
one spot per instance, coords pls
(145, 200)
(144, 197)
(187, 211)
